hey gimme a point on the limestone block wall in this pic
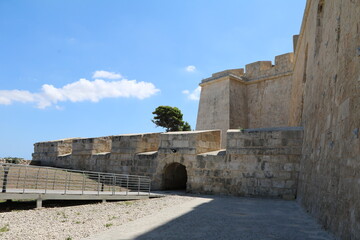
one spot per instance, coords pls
(268, 103)
(327, 70)
(135, 143)
(47, 152)
(129, 154)
(259, 97)
(258, 162)
(126, 147)
(214, 107)
(183, 148)
(239, 107)
(265, 70)
(133, 154)
(112, 153)
(88, 148)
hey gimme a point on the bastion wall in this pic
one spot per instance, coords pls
(326, 101)
(257, 162)
(255, 98)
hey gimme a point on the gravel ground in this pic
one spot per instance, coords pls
(77, 222)
(223, 218)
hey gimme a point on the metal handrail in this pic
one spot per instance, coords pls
(15, 178)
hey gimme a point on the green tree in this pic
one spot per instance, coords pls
(186, 127)
(170, 118)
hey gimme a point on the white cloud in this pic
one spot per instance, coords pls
(194, 95)
(79, 91)
(9, 96)
(190, 68)
(107, 75)
(59, 107)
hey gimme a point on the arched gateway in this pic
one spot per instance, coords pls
(175, 177)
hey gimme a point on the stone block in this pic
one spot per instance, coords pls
(265, 183)
(290, 184)
(255, 68)
(289, 167)
(278, 183)
(285, 175)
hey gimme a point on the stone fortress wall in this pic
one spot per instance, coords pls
(258, 162)
(255, 98)
(325, 99)
(317, 88)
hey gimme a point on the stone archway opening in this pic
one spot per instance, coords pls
(175, 177)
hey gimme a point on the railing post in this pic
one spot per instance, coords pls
(18, 180)
(83, 185)
(37, 178)
(25, 179)
(113, 184)
(120, 183)
(66, 173)
(127, 184)
(46, 181)
(54, 180)
(98, 184)
(69, 185)
(139, 182)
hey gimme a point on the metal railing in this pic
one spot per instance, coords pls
(16, 178)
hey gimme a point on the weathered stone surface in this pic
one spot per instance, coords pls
(47, 152)
(89, 146)
(209, 169)
(259, 173)
(325, 100)
(257, 98)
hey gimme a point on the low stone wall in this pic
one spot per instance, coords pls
(257, 162)
(47, 153)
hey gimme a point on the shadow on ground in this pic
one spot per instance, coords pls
(242, 218)
(8, 206)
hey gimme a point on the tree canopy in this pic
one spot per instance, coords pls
(170, 118)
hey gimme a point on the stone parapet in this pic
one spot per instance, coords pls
(260, 70)
(270, 141)
(135, 143)
(263, 70)
(89, 146)
(192, 142)
(257, 162)
(46, 152)
(237, 72)
(222, 76)
(257, 69)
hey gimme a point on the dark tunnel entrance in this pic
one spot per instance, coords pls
(175, 177)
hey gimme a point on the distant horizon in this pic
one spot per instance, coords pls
(90, 69)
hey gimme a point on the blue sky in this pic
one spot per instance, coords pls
(76, 68)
